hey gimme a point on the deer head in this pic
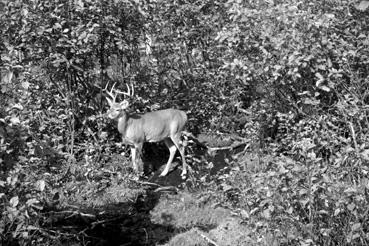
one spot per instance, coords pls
(117, 107)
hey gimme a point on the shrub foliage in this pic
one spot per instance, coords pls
(290, 77)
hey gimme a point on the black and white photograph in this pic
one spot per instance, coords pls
(184, 123)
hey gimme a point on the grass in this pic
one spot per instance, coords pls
(200, 222)
(184, 211)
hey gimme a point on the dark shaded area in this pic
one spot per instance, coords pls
(198, 156)
(130, 223)
(221, 158)
(118, 224)
(130, 227)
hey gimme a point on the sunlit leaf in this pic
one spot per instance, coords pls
(15, 120)
(362, 6)
(57, 26)
(356, 226)
(365, 154)
(227, 187)
(17, 106)
(25, 85)
(41, 185)
(351, 206)
(351, 190)
(32, 228)
(32, 201)
(325, 88)
(320, 79)
(7, 78)
(14, 201)
(267, 214)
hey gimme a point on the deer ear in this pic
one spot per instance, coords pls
(124, 104)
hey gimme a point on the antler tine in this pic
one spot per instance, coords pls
(128, 93)
(113, 92)
(110, 93)
(133, 90)
(112, 88)
(106, 87)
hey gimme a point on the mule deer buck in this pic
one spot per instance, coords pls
(162, 125)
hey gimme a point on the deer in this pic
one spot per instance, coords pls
(162, 125)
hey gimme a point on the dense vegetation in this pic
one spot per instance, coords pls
(283, 83)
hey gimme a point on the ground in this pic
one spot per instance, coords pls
(111, 206)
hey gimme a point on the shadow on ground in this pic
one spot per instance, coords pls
(198, 160)
(131, 223)
(126, 224)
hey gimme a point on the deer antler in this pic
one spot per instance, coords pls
(129, 93)
(111, 92)
(133, 90)
(114, 92)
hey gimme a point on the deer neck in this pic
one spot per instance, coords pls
(123, 123)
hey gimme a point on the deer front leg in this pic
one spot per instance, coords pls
(136, 151)
(133, 154)
(172, 150)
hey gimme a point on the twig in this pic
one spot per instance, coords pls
(60, 212)
(353, 136)
(243, 111)
(195, 139)
(206, 238)
(166, 188)
(65, 174)
(71, 212)
(81, 214)
(48, 232)
(146, 183)
(229, 147)
(102, 222)
(220, 148)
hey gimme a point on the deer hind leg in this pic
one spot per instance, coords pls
(172, 151)
(177, 141)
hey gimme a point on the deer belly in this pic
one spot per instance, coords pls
(155, 132)
(154, 140)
